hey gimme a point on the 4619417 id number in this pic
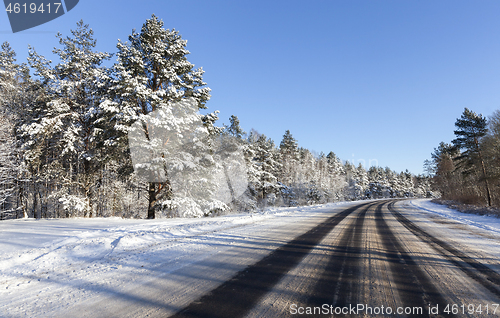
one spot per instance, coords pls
(485, 309)
(33, 7)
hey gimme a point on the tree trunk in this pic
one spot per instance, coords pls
(151, 200)
(229, 185)
(488, 194)
(35, 200)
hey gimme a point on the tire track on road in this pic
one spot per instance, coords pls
(235, 297)
(339, 283)
(414, 287)
(481, 273)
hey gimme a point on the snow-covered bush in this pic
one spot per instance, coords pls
(74, 205)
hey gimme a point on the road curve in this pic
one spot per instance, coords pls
(374, 259)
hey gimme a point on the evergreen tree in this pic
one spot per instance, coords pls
(407, 183)
(361, 178)
(491, 145)
(11, 79)
(21, 100)
(267, 160)
(288, 145)
(334, 164)
(65, 133)
(153, 71)
(322, 176)
(444, 179)
(249, 151)
(234, 128)
(8, 164)
(471, 127)
(429, 168)
(290, 156)
(306, 167)
(12, 171)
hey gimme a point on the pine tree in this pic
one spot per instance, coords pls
(362, 178)
(152, 71)
(471, 127)
(407, 183)
(10, 79)
(234, 128)
(20, 100)
(8, 92)
(66, 134)
(306, 167)
(491, 145)
(395, 186)
(322, 176)
(289, 155)
(444, 178)
(288, 145)
(12, 169)
(429, 168)
(268, 165)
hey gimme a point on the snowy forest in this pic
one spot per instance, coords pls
(66, 152)
(467, 170)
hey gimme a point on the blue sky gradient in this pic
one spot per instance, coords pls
(370, 80)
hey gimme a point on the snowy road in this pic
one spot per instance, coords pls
(374, 258)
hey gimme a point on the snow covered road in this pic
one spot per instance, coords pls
(346, 253)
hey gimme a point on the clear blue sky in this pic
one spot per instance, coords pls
(379, 79)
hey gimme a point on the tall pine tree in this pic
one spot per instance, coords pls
(65, 134)
(153, 71)
(471, 127)
(234, 129)
(290, 156)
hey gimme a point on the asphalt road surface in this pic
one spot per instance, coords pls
(373, 259)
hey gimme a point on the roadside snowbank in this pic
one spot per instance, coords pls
(489, 223)
(26, 240)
